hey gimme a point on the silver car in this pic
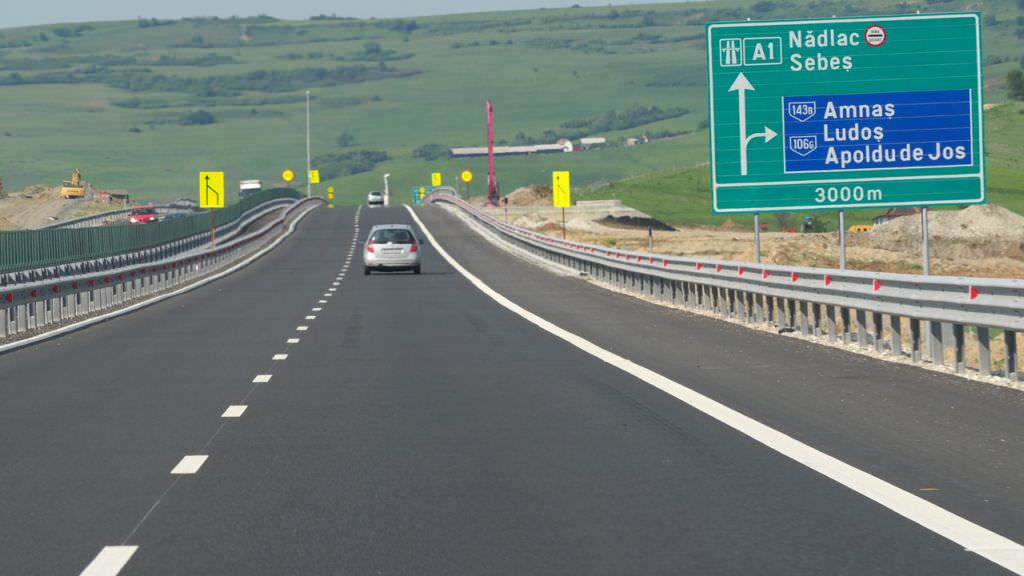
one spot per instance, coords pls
(375, 198)
(391, 247)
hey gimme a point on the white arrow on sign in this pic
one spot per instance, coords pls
(741, 85)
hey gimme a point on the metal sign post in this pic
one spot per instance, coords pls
(842, 240)
(757, 237)
(925, 253)
(844, 113)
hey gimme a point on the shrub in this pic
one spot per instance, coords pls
(199, 117)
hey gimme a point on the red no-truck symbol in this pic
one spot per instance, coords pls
(875, 35)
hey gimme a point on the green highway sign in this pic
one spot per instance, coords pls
(846, 113)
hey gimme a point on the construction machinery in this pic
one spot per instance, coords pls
(73, 188)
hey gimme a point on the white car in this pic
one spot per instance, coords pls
(391, 248)
(375, 198)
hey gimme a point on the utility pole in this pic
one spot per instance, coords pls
(309, 164)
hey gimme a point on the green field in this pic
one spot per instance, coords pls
(119, 100)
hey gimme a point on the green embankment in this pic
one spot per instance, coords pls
(119, 100)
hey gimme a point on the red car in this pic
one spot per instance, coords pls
(143, 215)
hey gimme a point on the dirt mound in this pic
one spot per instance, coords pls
(530, 196)
(983, 231)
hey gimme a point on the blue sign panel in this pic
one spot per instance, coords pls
(882, 131)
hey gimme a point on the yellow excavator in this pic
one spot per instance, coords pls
(73, 188)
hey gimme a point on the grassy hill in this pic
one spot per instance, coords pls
(144, 105)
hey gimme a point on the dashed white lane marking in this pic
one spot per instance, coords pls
(190, 464)
(335, 283)
(321, 301)
(109, 561)
(318, 309)
(970, 536)
(310, 317)
(262, 378)
(327, 294)
(280, 357)
(302, 328)
(294, 340)
(332, 289)
(234, 411)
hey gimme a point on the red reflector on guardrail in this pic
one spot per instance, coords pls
(972, 292)
(698, 266)
(793, 277)
(764, 274)
(827, 279)
(35, 293)
(56, 289)
(665, 262)
(718, 267)
(9, 297)
(74, 285)
(740, 271)
(876, 285)
(92, 282)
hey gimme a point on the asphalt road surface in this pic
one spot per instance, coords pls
(403, 424)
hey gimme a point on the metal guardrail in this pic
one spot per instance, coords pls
(923, 317)
(178, 247)
(35, 249)
(98, 219)
(34, 305)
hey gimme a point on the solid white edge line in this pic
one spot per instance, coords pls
(122, 311)
(109, 561)
(234, 411)
(190, 464)
(970, 536)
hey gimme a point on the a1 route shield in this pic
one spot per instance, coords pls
(846, 113)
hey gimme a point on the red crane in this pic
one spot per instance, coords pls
(492, 181)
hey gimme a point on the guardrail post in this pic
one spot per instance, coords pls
(895, 335)
(915, 340)
(958, 348)
(935, 344)
(1012, 368)
(830, 320)
(877, 336)
(862, 329)
(816, 319)
(804, 324)
(21, 322)
(844, 314)
(5, 319)
(790, 313)
(984, 352)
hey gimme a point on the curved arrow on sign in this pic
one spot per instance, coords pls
(741, 85)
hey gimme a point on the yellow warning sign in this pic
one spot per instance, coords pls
(435, 179)
(466, 176)
(560, 186)
(211, 189)
(288, 175)
(314, 176)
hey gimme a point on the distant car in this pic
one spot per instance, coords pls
(375, 198)
(391, 247)
(171, 216)
(143, 215)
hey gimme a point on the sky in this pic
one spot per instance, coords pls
(15, 13)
